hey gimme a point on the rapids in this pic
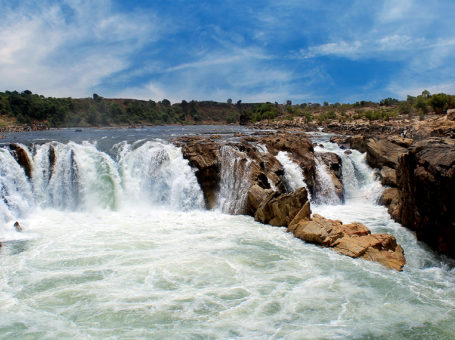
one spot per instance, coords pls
(117, 244)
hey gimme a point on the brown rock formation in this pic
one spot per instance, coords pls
(391, 198)
(384, 152)
(426, 178)
(388, 176)
(280, 210)
(354, 240)
(22, 158)
(203, 155)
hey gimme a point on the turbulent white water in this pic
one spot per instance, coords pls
(134, 256)
(293, 174)
(326, 193)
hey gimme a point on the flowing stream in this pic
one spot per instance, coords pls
(117, 245)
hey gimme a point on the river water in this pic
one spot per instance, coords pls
(117, 245)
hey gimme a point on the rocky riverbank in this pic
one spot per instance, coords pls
(262, 191)
(419, 172)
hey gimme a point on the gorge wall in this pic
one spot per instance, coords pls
(420, 176)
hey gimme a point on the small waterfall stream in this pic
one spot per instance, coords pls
(234, 180)
(293, 174)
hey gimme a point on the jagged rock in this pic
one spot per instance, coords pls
(357, 142)
(22, 158)
(392, 200)
(261, 170)
(354, 240)
(426, 178)
(17, 226)
(401, 141)
(383, 152)
(257, 195)
(203, 155)
(388, 176)
(281, 210)
(303, 214)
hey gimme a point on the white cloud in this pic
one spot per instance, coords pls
(374, 48)
(67, 49)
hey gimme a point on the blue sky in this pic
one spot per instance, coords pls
(305, 51)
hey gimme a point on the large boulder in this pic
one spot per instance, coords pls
(281, 210)
(383, 152)
(426, 178)
(354, 240)
(357, 142)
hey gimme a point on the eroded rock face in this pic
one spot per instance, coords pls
(383, 152)
(388, 177)
(391, 198)
(203, 155)
(280, 210)
(354, 240)
(426, 178)
(22, 158)
(265, 173)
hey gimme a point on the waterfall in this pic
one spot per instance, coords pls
(359, 180)
(326, 193)
(158, 174)
(15, 189)
(80, 177)
(293, 174)
(234, 180)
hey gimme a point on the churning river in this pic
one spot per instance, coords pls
(117, 244)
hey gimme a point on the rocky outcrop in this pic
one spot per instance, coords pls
(391, 198)
(354, 240)
(426, 179)
(22, 158)
(388, 176)
(203, 155)
(280, 210)
(384, 152)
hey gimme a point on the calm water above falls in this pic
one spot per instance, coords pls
(129, 253)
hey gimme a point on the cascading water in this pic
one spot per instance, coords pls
(80, 177)
(134, 263)
(234, 180)
(326, 193)
(359, 180)
(293, 174)
(157, 174)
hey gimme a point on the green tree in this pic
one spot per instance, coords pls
(440, 102)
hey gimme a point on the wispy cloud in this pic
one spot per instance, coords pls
(67, 48)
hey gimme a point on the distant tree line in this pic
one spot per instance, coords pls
(28, 108)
